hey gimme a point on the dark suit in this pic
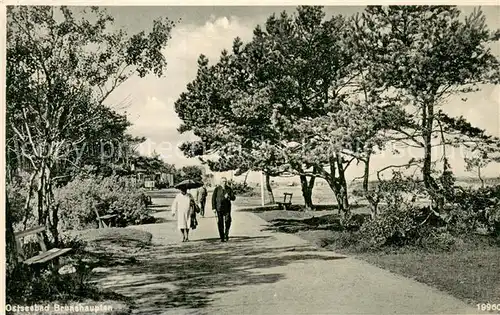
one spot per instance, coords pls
(202, 199)
(222, 206)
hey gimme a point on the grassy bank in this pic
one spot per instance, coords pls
(470, 275)
(468, 272)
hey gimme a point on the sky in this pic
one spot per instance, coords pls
(208, 30)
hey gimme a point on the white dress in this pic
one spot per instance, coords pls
(181, 207)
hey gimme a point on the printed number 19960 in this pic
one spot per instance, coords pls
(488, 307)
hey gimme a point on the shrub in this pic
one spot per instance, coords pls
(492, 214)
(242, 188)
(25, 284)
(343, 240)
(81, 198)
(399, 223)
(397, 226)
(473, 208)
(441, 240)
(16, 202)
(36, 283)
(354, 221)
(402, 223)
(73, 241)
(250, 193)
(400, 190)
(17, 192)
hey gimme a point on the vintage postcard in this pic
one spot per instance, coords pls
(259, 158)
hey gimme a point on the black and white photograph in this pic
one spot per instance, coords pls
(251, 159)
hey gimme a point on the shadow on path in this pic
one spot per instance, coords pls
(234, 239)
(159, 208)
(160, 220)
(325, 222)
(189, 275)
(356, 208)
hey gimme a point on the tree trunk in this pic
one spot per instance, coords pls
(47, 214)
(342, 186)
(429, 182)
(307, 187)
(269, 188)
(27, 208)
(10, 240)
(246, 177)
(366, 175)
(40, 195)
(338, 184)
(372, 200)
(480, 177)
(52, 209)
(53, 225)
(333, 183)
(427, 135)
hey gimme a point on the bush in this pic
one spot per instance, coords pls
(401, 223)
(81, 198)
(242, 188)
(394, 226)
(354, 221)
(17, 191)
(472, 208)
(492, 214)
(16, 201)
(73, 241)
(147, 199)
(38, 284)
(441, 240)
(29, 284)
(343, 240)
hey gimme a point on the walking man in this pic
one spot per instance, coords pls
(221, 204)
(202, 199)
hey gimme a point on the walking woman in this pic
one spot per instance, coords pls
(183, 207)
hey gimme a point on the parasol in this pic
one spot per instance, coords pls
(188, 184)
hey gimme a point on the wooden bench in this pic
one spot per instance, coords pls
(44, 255)
(104, 221)
(287, 202)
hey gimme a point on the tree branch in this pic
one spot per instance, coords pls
(116, 82)
(407, 165)
(30, 138)
(348, 163)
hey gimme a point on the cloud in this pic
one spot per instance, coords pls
(154, 115)
(152, 101)
(189, 41)
(481, 109)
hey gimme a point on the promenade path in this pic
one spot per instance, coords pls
(261, 272)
